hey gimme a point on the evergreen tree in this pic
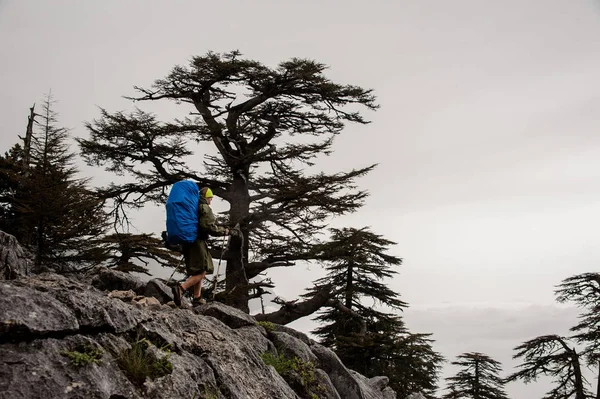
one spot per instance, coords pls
(11, 169)
(552, 356)
(368, 340)
(266, 126)
(58, 216)
(355, 273)
(478, 378)
(584, 291)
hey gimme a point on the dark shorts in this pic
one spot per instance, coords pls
(197, 258)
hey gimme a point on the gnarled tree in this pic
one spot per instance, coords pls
(584, 291)
(555, 357)
(267, 125)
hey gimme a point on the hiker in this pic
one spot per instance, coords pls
(198, 260)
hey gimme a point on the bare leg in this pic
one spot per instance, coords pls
(192, 281)
(198, 286)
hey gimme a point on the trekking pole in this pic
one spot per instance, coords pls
(219, 268)
(174, 270)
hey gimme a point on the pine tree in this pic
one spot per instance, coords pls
(478, 378)
(11, 170)
(552, 356)
(58, 216)
(368, 340)
(359, 264)
(584, 291)
(267, 127)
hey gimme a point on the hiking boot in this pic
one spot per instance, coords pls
(198, 302)
(177, 291)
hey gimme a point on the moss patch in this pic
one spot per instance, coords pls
(299, 375)
(84, 354)
(139, 363)
(267, 325)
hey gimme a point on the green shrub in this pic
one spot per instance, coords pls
(267, 325)
(300, 375)
(138, 363)
(84, 354)
(209, 392)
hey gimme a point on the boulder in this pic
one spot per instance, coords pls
(14, 260)
(149, 302)
(232, 317)
(341, 378)
(114, 280)
(327, 390)
(159, 290)
(292, 347)
(297, 334)
(125, 296)
(372, 388)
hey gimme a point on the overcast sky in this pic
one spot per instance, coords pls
(487, 137)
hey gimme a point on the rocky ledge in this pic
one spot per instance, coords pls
(117, 337)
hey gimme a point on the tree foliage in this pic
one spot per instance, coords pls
(46, 206)
(552, 356)
(371, 341)
(128, 252)
(583, 290)
(478, 378)
(266, 127)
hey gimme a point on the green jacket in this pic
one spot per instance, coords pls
(207, 221)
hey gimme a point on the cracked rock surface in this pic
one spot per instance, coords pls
(214, 351)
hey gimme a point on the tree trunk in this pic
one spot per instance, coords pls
(235, 277)
(349, 286)
(476, 381)
(28, 135)
(579, 393)
(598, 382)
(292, 311)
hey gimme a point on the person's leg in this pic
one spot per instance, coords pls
(198, 286)
(193, 281)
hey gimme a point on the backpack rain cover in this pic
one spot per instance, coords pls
(182, 212)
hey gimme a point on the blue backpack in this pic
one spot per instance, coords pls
(182, 212)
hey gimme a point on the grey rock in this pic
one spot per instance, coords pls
(232, 317)
(343, 381)
(254, 334)
(125, 296)
(14, 260)
(297, 334)
(292, 347)
(41, 370)
(215, 350)
(328, 391)
(379, 382)
(389, 393)
(189, 373)
(94, 309)
(371, 388)
(149, 302)
(111, 280)
(415, 395)
(159, 290)
(26, 314)
(237, 366)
